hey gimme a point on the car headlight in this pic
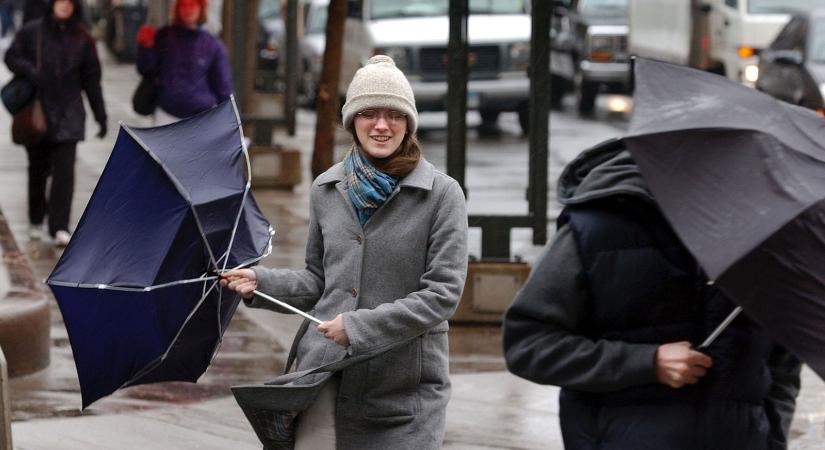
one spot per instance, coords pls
(398, 54)
(519, 55)
(751, 73)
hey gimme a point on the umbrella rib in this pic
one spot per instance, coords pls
(178, 187)
(114, 287)
(152, 365)
(235, 226)
(246, 188)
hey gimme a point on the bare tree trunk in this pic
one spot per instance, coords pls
(327, 102)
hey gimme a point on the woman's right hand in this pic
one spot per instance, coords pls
(242, 281)
(677, 364)
(146, 36)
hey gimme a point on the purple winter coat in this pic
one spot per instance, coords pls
(193, 69)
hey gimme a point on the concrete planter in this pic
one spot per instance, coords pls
(24, 310)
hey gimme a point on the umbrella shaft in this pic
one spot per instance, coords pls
(289, 307)
(721, 328)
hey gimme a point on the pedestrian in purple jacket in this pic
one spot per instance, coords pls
(191, 64)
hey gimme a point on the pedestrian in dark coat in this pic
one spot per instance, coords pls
(611, 313)
(385, 266)
(69, 65)
(191, 64)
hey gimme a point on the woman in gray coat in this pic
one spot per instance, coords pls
(386, 260)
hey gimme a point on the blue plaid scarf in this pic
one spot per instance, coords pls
(369, 188)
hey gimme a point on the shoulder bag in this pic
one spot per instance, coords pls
(28, 127)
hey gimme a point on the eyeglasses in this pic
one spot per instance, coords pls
(390, 115)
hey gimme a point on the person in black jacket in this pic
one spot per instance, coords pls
(68, 65)
(611, 313)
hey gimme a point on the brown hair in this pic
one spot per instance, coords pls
(401, 162)
(204, 4)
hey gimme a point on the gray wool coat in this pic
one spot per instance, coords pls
(396, 280)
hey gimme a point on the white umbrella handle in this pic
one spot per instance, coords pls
(289, 307)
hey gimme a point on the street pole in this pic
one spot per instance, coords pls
(698, 52)
(539, 72)
(327, 101)
(457, 74)
(291, 69)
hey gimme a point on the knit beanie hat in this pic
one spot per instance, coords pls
(379, 84)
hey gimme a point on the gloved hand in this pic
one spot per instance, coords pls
(146, 36)
(101, 133)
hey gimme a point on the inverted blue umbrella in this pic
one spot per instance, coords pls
(138, 283)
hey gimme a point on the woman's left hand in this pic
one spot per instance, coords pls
(334, 330)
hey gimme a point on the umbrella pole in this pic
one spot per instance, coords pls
(289, 307)
(720, 328)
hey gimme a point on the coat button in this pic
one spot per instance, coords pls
(359, 239)
(354, 292)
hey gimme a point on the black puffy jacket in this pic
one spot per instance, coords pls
(69, 65)
(614, 285)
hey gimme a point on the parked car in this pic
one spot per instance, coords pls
(589, 50)
(270, 42)
(415, 34)
(793, 67)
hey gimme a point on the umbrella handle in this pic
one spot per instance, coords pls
(289, 307)
(720, 328)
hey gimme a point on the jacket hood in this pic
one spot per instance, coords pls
(78, 16)
(602, 171)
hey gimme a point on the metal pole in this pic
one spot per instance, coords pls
(291, 72)
(457, 74)
(539, 117)
(5, 405)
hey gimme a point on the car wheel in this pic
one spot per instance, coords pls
(586, 96)
(524, 119)
(489, 117)
(557, 92)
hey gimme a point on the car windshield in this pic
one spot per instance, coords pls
(389, 9)
(602, 6)
(317, 20)
(816, 49)
(781, 6)
(268, 8)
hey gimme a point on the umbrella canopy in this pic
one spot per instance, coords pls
(137, 284)
(741, 178)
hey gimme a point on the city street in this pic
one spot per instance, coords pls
(489, 409)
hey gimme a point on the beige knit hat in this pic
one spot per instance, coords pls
(379, 84)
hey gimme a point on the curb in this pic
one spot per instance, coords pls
(25, 321)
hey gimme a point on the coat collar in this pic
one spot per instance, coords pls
(420, 178)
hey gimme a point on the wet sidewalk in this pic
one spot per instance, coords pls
(490, 408)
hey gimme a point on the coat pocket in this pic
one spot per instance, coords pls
(390, 388)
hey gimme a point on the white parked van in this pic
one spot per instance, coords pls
(415, 34)
(735, 31)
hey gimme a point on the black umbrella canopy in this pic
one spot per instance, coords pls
(741, 178)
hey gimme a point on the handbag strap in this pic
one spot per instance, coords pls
(293, 350)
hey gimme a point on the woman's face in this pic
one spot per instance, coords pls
(380, 131)
(63, 9)
(189, 11)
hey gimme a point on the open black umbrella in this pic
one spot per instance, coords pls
(741, 178)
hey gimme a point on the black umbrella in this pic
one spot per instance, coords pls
(741, 178)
